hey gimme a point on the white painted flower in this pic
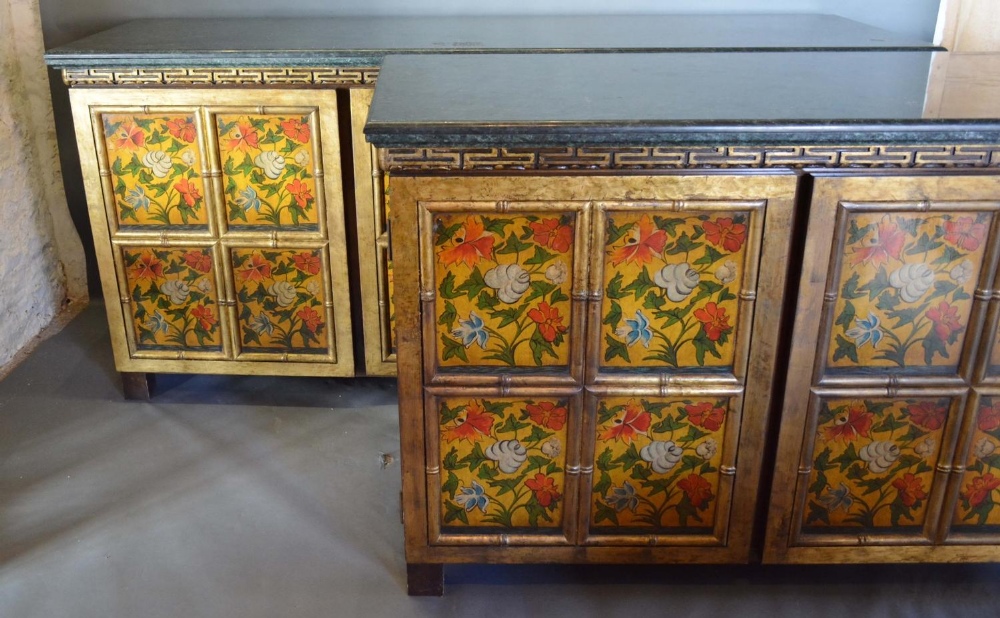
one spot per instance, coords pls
(188, 158)
(679, 280)
(509, 455)
(177, 290)
(302, 158)
(925, 448)
(509, 280)
(271, 162)
(551, 448)
(727, 272)
(556, 273)
(707, 449)
(661, 456)
(158, 162)
(313, 287)
(880, 455)
(204, 286)
(985, 447)
(284, 291)
(912, 280)
(962, 273)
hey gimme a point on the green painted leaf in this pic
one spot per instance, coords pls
(850, 288)
(847, 316)
(845, 349)
(540, 257)
(452, 349)
(614, 290)
(641, 285)
(615, 349)
(847, 458)
(454, 512)
(450, 486)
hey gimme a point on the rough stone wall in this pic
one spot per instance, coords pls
(41, 258)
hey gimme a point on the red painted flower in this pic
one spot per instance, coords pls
(888, 243)
(243, 137)
(182, 128)
(473, 424)
(965, 233)
(544, 488)
(188, 191)
(631, 422)
(726, 234)
(204, 316)
(147, 267)
(256, 269)
(130, 136)
(979, 489)
(300, 191)
(198, 260)
(706, 415)
(928, 414)
(549, 321)
(697, 490)
(713, 320)
(549, 233)
(296, 129)
(471, 244)
(945, 319)
(644, 243)
(310, 318)
(910, 488)
(307, 262)
(989, 416)
(851, 424)
(547, 414)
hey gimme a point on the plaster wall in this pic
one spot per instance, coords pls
(41, 257)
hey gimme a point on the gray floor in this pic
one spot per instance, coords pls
(267, 497)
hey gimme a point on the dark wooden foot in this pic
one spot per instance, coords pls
(138, 386)
(424, 580)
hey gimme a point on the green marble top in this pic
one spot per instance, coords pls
(363, 41)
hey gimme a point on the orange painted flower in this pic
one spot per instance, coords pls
(888, 243)
(182, 128)
(851, 424)
(928, 414)
(147, 267)
(910, 488)
(631, 422)
(547, 414)
(296, 129)
(713, 320)
(198, 260)
(544, 488)
(204, 316)
(473, 423)
(989, 416)
(945, 319)
(188, 191)
(310, 318)
(644, 243)
(979, 489)
(243, 137)
(697, 490)
(307, 262)
(965, 233)
(549, 233)
(256, 269)
(549, 321)
(130, 136)
(471, 244)
(725, 233)
(300, 191)
(706, 415)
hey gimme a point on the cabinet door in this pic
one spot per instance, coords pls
(889, 322)
(218, 223)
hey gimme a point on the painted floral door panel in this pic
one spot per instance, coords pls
(282, 302)
(503, 464)
(673, 284)
(977, 510)
(905, 287)
(662, 467)
(173, 301)
(155, 161)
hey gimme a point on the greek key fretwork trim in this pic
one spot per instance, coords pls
(652, 158)
(220, 77)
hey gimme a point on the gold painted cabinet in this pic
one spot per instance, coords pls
(890, 421)
(219, 225)
(585, 362)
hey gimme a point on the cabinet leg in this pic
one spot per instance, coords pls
(424, 580)
(137, 386)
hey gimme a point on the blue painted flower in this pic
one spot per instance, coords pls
(865, 331)
(137, 199)
(472, 330)
(636, 330)
(157, 322)
(622, 498)
(248, 199)
(839, 498)
(472, 497)
(262, 324)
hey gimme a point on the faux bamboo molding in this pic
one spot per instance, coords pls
(276, 76)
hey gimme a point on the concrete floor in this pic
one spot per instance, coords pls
(267, 497)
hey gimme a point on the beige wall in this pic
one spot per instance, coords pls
(41, 258)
